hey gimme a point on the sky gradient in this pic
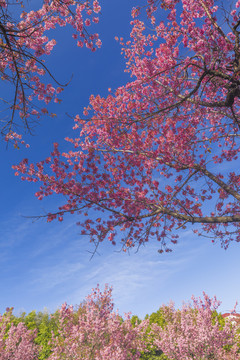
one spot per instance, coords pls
(44, 264)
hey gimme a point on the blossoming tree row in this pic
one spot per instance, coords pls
(95, 331)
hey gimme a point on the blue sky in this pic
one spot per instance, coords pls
(45, 264)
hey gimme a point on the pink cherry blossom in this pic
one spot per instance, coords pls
(193, 332)
(161, 152)
(97, 332)
(19, 342)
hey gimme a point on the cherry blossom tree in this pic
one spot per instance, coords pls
(23, 48)
(16, 342)
(161, 152)
(97, 332)
(193, 333)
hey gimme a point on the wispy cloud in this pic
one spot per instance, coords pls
(132, 277)
(57, 274)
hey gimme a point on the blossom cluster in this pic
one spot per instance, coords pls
(24, 45)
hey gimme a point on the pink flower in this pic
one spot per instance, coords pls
(98, 43)
(87, 22)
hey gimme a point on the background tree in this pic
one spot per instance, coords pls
(97, 333)
(161, 152)
(195, 332)
(16, 341)
(44, 324)
(153, 352)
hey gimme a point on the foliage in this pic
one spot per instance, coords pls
(157, 317)
(152, 351)
(154, 355)
(45, 324)
(159, 153)
(135, 321)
